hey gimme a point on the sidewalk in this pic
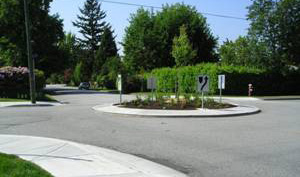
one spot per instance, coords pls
(69, 159)
(28, 104)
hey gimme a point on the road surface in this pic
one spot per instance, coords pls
(261, 145)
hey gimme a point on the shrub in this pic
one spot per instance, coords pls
(237, 79)
(68, 76)
(132, 83)
(55, 78)
(77, 75)
(14, 82)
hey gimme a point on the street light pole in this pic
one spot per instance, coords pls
(29, 55)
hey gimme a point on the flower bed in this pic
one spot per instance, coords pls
(175, 104)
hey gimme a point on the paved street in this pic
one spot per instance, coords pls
(262, 145)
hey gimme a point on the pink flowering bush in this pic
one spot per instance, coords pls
(14, 80)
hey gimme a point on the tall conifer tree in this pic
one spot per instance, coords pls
(107, 49)
(91, 25)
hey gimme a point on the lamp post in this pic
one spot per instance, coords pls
(29, 55)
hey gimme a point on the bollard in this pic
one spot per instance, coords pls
(250, 89)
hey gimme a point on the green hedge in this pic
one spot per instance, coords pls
(14, 82)
(237, 80)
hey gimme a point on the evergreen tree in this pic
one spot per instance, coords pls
(91, 25)
(182, 49)
(107, 49)
(46, 29)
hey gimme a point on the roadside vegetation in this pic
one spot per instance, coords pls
(167, 102)
(12, 166)
(176, 38)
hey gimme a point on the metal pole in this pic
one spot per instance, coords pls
(220, 85)
(121, 97)
(29, 54)
(202, 100)
(120, 88)
(152, 93)
(221, 95)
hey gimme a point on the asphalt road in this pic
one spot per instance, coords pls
(261, 145)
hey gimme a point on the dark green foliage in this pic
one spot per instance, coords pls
(91, 24)
(107, 50)
(167, 24)
(149, 38)
(237, 80)
(47, 30)
(109, 73)
(132, 83)
(12, 166)
(277, 24)
(77, 75)
(14, 82)
(244, 52)
(140, 42)
(71, 49)
(55, 78)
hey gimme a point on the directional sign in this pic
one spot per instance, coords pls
(151, 83)
(202, 83)
(221, 81)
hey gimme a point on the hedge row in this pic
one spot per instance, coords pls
(237, 80)
(14, 82)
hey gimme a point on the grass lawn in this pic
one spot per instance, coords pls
(12, 166)
(12, 100)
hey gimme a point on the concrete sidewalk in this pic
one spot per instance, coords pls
(28, 104)
(69, 159)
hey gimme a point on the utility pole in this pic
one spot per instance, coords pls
(29, 54)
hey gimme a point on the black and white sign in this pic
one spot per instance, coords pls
(151, 83)
(221, 81)
(203, 83)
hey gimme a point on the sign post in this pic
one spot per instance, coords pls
(119, 81)
(151, 84)
(202, 86)
(221, 85)
(29, 54)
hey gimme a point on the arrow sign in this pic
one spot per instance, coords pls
(202, 83)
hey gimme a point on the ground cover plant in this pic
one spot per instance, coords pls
(168, 102)
(12, 166)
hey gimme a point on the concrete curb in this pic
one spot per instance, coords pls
(29, 104)
(278, 98)
(236, 111)
(69, 159)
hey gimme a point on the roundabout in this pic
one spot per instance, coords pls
(234, 111)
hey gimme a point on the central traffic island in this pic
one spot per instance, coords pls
(182, 106)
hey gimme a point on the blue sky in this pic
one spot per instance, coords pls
(118, 15)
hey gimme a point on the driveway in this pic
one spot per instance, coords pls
(262, 145)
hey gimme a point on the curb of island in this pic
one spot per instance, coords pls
(240, 110)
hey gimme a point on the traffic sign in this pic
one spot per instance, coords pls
(119, 81)
(151, 83)
(202, 83)
(221, 81)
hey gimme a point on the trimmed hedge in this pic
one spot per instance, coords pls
(14, 82)
(237, 80)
